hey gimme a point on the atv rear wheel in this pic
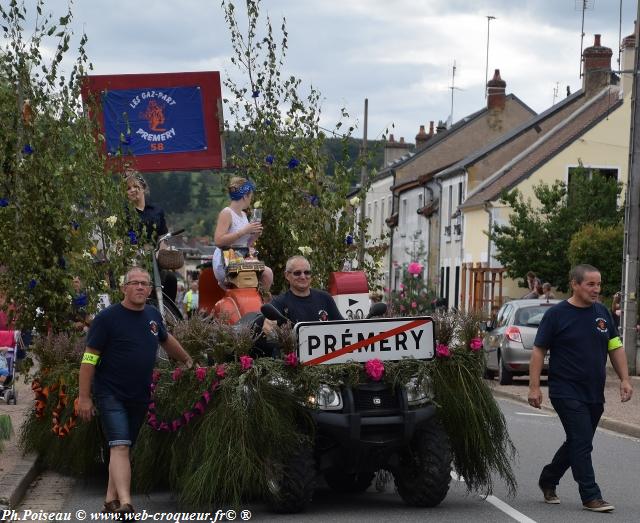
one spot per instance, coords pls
(424, 474)
(348, 483)
(290, 483)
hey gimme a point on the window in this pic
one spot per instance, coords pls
(456, 297)
(460, 193)
(382, 217)
(450, 206)
(420, 198)
(404, 213)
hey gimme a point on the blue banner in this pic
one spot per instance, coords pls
(154, 121)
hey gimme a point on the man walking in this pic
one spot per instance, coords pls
(190, 300)
(119, 360)
(579, 333)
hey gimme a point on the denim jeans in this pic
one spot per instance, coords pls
(580, 421)
(121, 420)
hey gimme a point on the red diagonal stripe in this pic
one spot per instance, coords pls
(367, 341)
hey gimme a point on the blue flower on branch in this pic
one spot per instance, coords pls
(133, 238)
(27, 149)
(269, 159)
(349, 239)
(293, 163)
(32, 284)
(313, 200)
(255, 94)
(81, 300)
(74, 225)
(267, 123)
(4, 202)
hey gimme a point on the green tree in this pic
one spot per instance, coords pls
(537, 236)
(600, 246)
(278, 142)
(61, 214)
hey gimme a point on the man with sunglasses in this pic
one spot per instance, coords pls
(118, 361)
(301, 302)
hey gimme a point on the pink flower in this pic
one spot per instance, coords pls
(221, 370)
(414, 305)
(414, 268)
(155, 377)
(476, 344)
(176, 424)
(175, 375)
(401, 308)
(201, 373)
(291, 359)
(374, 369)
(199, 407)
(402, 285)
(188, 416)
(442, 351)
(206, 396)
(246, 362)
(164, 426)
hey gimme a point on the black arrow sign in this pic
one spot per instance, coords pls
(352, 302)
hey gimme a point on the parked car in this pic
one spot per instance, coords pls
(509, 338)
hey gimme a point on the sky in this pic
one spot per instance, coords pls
(397, 53)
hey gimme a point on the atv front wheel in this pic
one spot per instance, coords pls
(423, 477)
(290, 483)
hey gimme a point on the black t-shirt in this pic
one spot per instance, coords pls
(128, 342)
(318, 306)
(578, 340)
(152, 221)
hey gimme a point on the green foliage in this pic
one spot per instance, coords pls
(55, 191)
(280, 146)
(537, 236)
(600, 246)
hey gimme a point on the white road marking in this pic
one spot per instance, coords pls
(535, 414)
(499, 504)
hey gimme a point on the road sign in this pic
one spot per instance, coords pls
(353, 306)
(388, 339)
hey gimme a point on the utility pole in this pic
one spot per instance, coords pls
(363, 184)
(486, 67)
(632, 220)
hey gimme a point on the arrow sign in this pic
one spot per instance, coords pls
(352, 302)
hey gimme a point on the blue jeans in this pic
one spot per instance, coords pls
(580, 421)
(121, 420)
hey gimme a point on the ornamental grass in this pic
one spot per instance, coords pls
(214, 430)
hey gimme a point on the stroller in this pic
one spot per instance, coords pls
(11, 348)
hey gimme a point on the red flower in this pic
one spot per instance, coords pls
(175, 375)
(155, 377)
(221, 370)
(442, 351)
(414, 268)
(374, 369)
(246, 362)
(476, 344)
(291, 359)
(201, 373)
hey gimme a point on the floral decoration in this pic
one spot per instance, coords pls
(374, 369)
(246, 362)
(442, 351)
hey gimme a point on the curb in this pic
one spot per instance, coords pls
(14, 485)
(606, 423)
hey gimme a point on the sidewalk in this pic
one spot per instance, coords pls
(17, 472)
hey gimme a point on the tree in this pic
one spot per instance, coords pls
(61, 214)
(537, 237)
(600, 246)
(279, 144)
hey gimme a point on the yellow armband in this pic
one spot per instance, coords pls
(90, 358)
(614, 343)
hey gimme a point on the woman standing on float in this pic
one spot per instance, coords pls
(235, 231)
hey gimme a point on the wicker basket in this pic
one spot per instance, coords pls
(170, 259)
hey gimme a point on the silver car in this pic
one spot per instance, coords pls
(508, 339)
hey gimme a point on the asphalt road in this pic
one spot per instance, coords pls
(536, 436)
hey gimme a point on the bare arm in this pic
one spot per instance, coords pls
(619, 361)
(85, 403)
(173, 348)
(535, 370)
(224, 238)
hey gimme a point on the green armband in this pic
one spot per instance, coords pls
(91, 359)
(614, 343)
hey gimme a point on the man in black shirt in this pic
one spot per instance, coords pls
(579, 333)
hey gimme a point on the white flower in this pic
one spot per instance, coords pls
(86, 254)
(288, 120)
(354, 202)
(111, 220)
(257, 205)
(105, 284)
(305, 250)
(308, 169)
(294, 235)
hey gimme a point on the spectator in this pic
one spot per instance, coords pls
(616, 309)
(532, 283)
(547, 293)
(191, 299)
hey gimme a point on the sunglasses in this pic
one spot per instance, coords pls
(297, 274)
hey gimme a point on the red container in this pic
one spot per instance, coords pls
(352, 282)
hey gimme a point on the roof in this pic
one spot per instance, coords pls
(443, 135)
(511, 135)
(545, 148)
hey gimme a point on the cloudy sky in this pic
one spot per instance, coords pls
(397, 53)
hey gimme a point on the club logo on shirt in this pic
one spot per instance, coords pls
(323, 315)
(153, 327)
(601, 325)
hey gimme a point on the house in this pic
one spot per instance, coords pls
(414, 220)
(593, 132)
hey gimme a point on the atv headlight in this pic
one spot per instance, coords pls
(419, 391)
(326, 398)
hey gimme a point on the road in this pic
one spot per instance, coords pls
(536, 436)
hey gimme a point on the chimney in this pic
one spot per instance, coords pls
(597, 67)
(496, 98)
(431, 129)
(421, 138)
(627, 59)
(442, 127)
(394, 150)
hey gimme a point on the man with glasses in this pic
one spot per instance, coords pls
(301, 302)
(119, 359)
